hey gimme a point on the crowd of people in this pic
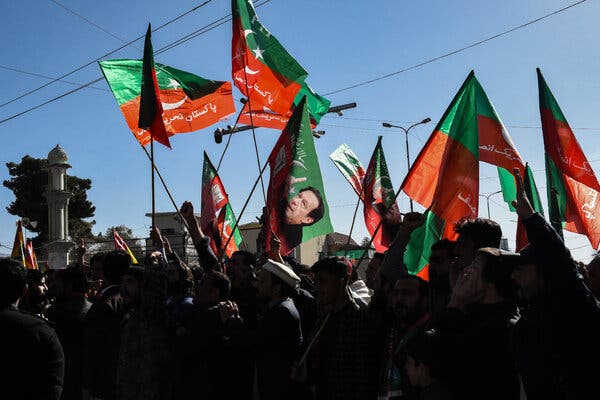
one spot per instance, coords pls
(488, 324)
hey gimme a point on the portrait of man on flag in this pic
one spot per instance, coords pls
(296, 201)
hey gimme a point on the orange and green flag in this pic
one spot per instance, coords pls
(120, 244)
(380, 205)
(263, 70)
(150, 115)
(226, 223)
(444, 178)
(350, 166)
(572, 187)
(189, 102)
(217, 219)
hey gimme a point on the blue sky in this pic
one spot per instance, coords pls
(339, 43)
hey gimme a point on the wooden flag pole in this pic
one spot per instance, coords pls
(262, 184)
(239, 217)
(314, 339)
(152, 180)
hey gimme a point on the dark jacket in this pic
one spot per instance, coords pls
(276, 342)
(102, 343)
(344, 359)
(478, 346)
(68, 315)
(556, 339)
(32, 356)
(144, 366)
(206, 367)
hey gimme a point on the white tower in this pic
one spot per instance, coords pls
(58, 209)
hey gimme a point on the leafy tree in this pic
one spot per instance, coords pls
(28, 181)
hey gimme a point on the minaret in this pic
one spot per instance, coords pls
(58, 197)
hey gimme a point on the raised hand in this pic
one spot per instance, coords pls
(522, 204)
(187, 210)
(469, 287)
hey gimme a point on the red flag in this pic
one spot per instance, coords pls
(379, 201)
(121, 245)
(573, 189)
(151, 112)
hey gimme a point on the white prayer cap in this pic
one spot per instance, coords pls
(283, 272)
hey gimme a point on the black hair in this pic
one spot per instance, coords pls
(427, 348)
(76, 277)
(114, 266)
(337, 266)
(483, 232)
(497, 270)
(34, 277)
(319, 211)
(13, 281)
(247, 257)
(423, 284)
(220, 281)
(444, 244)
(98, 257)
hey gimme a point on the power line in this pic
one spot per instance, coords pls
(206, 28)
(529, 126)
(451, 53)
(47, 77)
(88, 21)
(92, 62)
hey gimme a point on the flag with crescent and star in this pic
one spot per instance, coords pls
(267, 74)
(572, 187)
(349, 165)
(379, 203)
(216, 215)
(189, 102)
(296, 204)
(444, 178)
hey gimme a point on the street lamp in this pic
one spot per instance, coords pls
(487, 198)
(387, 125)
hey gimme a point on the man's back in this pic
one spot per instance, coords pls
(102, 343)
(33, 355)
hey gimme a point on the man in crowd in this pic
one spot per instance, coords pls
(410, 318)
(344, 359)
(556, 338)
(473, 234)
(30, 349)
(592, 277)
(68, 314)
(440, 264)
(475, 329)
(206, 366)
(277, 338)
(103, 330)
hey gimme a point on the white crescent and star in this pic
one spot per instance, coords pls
(258, 53)
(171, 106)
(250, 71)
(247, 32)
